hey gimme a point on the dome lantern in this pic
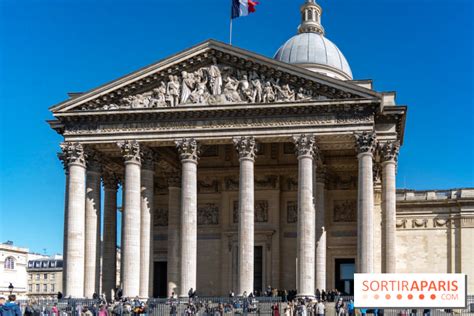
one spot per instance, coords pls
(311, 18)
(310, 49)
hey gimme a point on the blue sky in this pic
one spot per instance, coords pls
(423, 49)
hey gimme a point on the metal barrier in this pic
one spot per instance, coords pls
(210, 306)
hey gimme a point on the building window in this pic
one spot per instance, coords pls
(37, 287)
(9, 263)
(37, 276)
(45, 288)
(53, 276)
(45, 276)
(30, 288)
(52, 287)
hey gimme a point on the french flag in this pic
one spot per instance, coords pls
(242, 8)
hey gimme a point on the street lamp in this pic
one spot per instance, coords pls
(11, 287)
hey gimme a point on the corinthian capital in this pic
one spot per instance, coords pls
(188, 149)
(389, 151)
(246, 147)
(130, 150)
(305, 145)
(365, 142)
(72, 153)
(148, 157)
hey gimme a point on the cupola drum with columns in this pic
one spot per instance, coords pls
(311, 49)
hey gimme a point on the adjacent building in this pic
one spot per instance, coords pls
(13, 261)
(45, 278)
(239, 171)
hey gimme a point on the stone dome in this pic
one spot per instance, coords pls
(311, 49)
(317, 53)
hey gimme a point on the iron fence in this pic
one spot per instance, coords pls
(210, 306)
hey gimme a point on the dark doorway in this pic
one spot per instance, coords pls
(160, 279)
(258, 269)
(345, 269)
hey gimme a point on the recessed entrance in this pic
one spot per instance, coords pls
(160, 279)
(345, 269)
(258, 269)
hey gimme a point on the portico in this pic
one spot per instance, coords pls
(236, 172)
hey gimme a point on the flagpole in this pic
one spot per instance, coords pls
(230, 34)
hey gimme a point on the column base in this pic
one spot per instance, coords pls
(303, 295)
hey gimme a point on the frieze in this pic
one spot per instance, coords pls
(161, 216)
(79, 128)
(291, 212)
(402, 223)
(208, 214)
(267, 182)
(419, 223)
(260, 208)
(213, 84)
(231, 184)
(208, 186)
(345, 211)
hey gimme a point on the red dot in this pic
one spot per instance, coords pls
(399, 296)
(376, 296)
(410, 296)
(433, 296)
(387, 296)
(422, 296)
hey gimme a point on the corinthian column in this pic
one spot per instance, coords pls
(109, 255)
(148, 172)
(73, 155)
(389, 155)
(365, 145)
(92, 237)
(188, 153)
(305, 250)
(174, 205)
(246, 148)
(131, 219)
(320, 229)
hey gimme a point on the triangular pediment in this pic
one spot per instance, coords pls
(213, 73)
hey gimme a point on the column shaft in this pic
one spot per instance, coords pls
(188, 150)
(246, 226)
(109, 256)
(131, 219)
(66, 215)
(73, 156)
(389, 153)
(174, 202)
(320, 235)
(92, 234)
(146, 231)
(365, 220)
(306, 228)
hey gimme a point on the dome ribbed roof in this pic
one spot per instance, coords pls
(313, 48)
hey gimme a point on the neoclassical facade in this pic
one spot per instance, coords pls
(236, 171)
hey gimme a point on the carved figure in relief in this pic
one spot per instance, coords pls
(303, 95)
(158, 96)
(230, 90)
(200, 93)
(257, 96)
(268, 93)
(285, 93)
(172, 90)
(215, 78)
(214, 84)
(187, 86)
(245, 89)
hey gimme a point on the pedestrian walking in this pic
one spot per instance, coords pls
(10, 308)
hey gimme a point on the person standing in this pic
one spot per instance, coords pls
(350, 308)
(10, 308)
(320, 308)
(275, 310)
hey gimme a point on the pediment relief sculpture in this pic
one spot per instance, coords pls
(214, 84)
